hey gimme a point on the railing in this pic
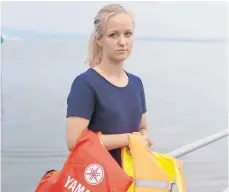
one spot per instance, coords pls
(199, 144)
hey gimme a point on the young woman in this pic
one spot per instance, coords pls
(105, 97)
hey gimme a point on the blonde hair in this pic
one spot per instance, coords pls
(94, 49)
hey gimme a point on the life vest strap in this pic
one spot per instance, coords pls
(153, 184)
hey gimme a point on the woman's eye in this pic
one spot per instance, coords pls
(113, 35)
(128, 34)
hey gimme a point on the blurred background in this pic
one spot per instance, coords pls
(180, 53)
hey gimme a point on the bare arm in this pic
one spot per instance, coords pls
(76, 125)
(143, 127)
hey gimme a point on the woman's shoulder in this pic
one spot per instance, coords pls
(134, 78)
(84, 77)
(83, 80)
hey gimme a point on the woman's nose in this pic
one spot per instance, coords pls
(122, 41)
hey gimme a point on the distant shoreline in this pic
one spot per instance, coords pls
(26, 35)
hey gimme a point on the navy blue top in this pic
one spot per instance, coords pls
(109, 109)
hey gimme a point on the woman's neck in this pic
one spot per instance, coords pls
(111, 68)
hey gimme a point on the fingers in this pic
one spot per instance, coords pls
(150, 142)
(147, 140)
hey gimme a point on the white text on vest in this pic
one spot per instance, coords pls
(74, 185)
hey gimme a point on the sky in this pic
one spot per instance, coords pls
(153, 18)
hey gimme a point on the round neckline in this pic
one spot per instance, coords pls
(110, 82)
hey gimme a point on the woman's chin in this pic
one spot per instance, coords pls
(120, 58)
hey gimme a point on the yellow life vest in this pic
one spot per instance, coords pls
(152, 171)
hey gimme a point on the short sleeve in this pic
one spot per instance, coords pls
(144, 109)
(80, 101)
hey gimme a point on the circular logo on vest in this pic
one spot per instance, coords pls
(94, 174)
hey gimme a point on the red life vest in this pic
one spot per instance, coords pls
(88, 168)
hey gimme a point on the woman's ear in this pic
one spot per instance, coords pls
(99, 40)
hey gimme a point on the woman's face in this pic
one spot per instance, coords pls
(117, 38)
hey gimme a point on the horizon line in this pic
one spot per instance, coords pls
(137, 37)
